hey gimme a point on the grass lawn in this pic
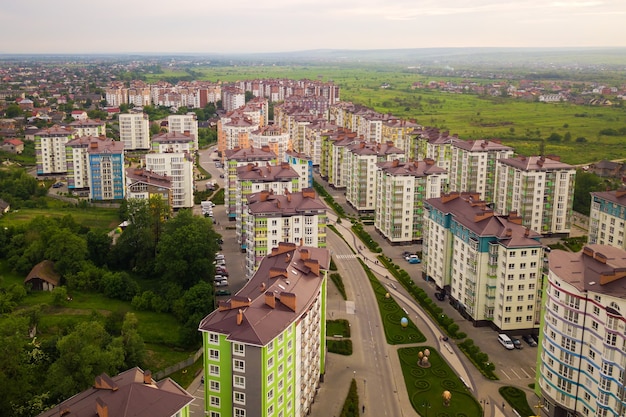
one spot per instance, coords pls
(391, 314)
(93, 217)
(425, 386)
(517, 399)
(340, 327)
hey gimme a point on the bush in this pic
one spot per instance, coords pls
(336, 279)
(516, 399)
(351, 404)
(341, 347)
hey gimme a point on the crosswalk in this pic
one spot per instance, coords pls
(346, 256)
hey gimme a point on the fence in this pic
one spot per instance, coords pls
(177, 367)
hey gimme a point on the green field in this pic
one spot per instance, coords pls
(517, 123)
(97, 218)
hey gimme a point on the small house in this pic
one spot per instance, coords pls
(43, 277)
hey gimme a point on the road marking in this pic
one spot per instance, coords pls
(513, 370)
(505, 374)
(347, 256)
(525, 373)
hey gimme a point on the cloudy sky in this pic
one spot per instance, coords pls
(87, 26)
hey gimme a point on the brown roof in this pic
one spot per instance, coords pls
(267, 173)
(173, 137)
(132, 393)
(136, 175)
(44, 270)
(597, 268)
(265, 202)
(473, 213)
(412, 168)
(281, 290)
(250, 154)
(616, 196)
(481, 145)
(535, 163)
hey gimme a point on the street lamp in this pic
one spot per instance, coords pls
(484, 404)
(426, 406)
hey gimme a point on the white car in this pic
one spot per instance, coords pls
(221, 283)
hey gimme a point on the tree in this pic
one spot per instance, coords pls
(67, 250)
(98, 245)
(191, 308)
(134, 346)
(13, 110)
(84, 353)
(186, 250)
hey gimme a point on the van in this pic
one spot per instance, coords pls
(506, 341)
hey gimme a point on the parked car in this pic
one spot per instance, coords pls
(440, 296)
(219, 256)
(221, 271)
(414, 259)
(222, 292)
(223, 283)
(528, 338)
(506, 341)
(517, 343)
(219, 278)
(57, 185)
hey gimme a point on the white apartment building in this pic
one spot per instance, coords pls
(303, 165)
(184, 123)
(401, 189)
(134, 131)
(473, 166)
(178, 166)
(401, 133)
(582, 356)
(312, 144)
(173, 142)
(298, 218)
(489, 264)
(278, 140)
(233, 98)
(77, 157)
(607, 220)
(50, 150)
(89, 127)
(539, 189)
(361, 171)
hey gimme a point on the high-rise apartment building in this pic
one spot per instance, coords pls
(473, 166)
(489, 264)
(179, 167)
(582, 352)
(264, 348)
(539, 189)
(50, 150)
(607, 220)
(107, 174)
(401, 189)
(185, 124)
(134, 131)
(269, 219)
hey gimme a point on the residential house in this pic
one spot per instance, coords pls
(143, 184)
(15, 146)
(132, 393)
(43, 277)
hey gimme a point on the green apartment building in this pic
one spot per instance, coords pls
(264, 349)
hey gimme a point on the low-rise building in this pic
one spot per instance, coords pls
(143, 184)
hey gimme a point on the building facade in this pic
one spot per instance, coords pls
(489, 264)
(185, 124)
(264, 348)
(179, 167)
(540, 189)
(269, 219)
(582, 353)
(303, 164)
(134, 131)
(607, 219)
(50, 150)
(473, 166)
(107, 174)
(401, 189)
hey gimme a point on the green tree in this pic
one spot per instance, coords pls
(98, 245)
(186, 250)
(84, 353)
(13, 110)
(67, 250)
(134, 346)
(586, 183)
(191, 308)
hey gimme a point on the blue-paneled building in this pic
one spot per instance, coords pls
(107, 176)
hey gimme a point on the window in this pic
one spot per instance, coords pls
(511, 266)
(270, 378)
(214, 338)
(215, 401)
(280, 384)
(239, 365)
(270, 346)
(270, 410)
(280, 369)
(239, 398)
(214, 370)
(270, 362)
(240, 412)
(214, 354)
(239, 349)
(214, 414)
(239, 381)
(520, 287)
(509, 298)
(214, 386)
(281, 352)
(270, 395)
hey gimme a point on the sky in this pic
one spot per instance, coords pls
(244, 26)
